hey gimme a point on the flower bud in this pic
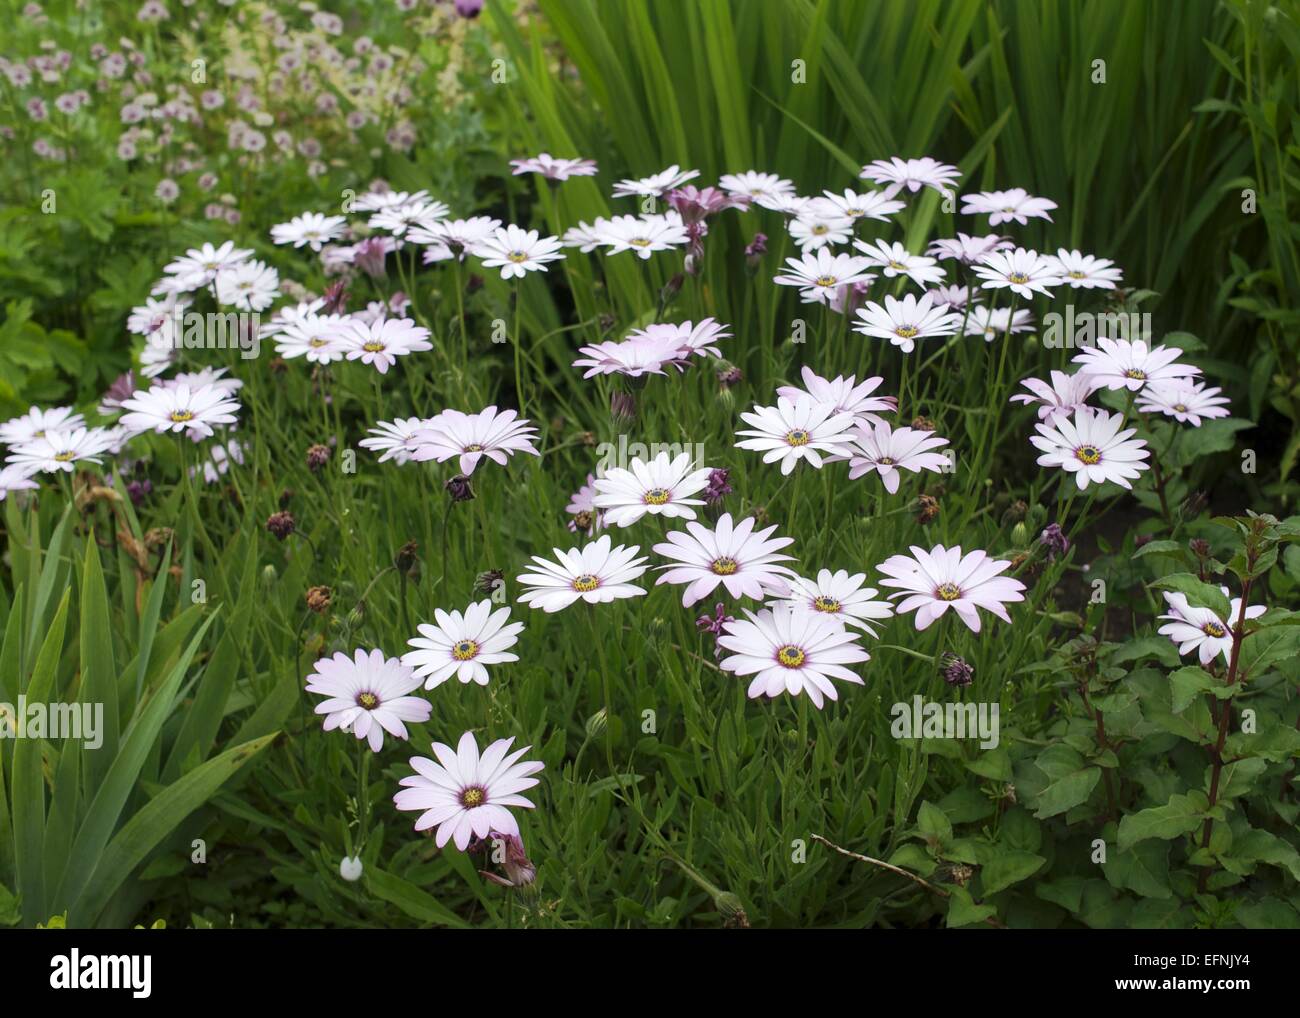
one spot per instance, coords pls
(350, 868)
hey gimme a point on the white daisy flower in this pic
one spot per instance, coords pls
(954, 297)
(150, 316)
(595, 573)
(839, 596)
(903, 322)
(820, 274)
(157, 355)
(644, 235)
(200, 266)
(395, 440)
(397, 219)
(174, 409)
(61, 450)
(376, 201)
(852, 205)
(794, 430)
(811, 232)
(844, 395)
(248, 286)
(367, 695)
(1091, 446)
(646, 355)
(587, 519)
(969, 250)
(496, 434)
(660, 487)
(554, 169)
(380, 343)
(994, 322)
(1184, 401)
(515, 251)
(465, 795)
(1084, 271)
(1121, 364)
(36, 422)
(310, 229)
(1025, 272)
(15, 478)
(318, 338)
(885, 450)
(1005, 206)
(932, 582)
(911, 173)
(743, 560)
(765, 189)
(791, 651)
(453, 238)
(216, 377)
(1200, 629)
(586, 238)
(290, 313)
(895, 260)
(220, 457)
(463, 645)
(687, 339)
(654, 186)
(1060, 397)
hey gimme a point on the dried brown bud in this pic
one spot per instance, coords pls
(318, 599)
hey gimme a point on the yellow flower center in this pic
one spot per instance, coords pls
(1180, 408)
(64, 457)
(1215, 630)
(724, 566)
(1088, 454)
(181, 416)
(472, 797)
(657, 496)
(1135, 373)
(947, 592)
(897, 266)
(819, 229)
(825, 280)
(906, 331)
(790, 656)
(466, 650)
(1018, 277)
(640, 242)
(822, 603)
(374, 346)
(586, 583)
(517, 257)
(367, 701)
(1076, 274)
(798, 437)
(473, 447)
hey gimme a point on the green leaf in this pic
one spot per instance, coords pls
(1181, 815)
(962, 910)
(1007, 867)
(1142, 869)
(1070, 781)
(1198, 594)
(410, 899)
(98, 672)
(1189, 682)
(933, 824)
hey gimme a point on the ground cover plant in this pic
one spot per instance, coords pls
(649, 464)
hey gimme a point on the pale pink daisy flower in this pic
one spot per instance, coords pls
(913, 174)
(496, 434)
(1015, 204)
(1060, 397)
(586, 237)
(367, 696)
(1084, 271)
(844, 394)
(597, 573)
(905, 321)
(248, 286)
(969, 250)
(216, 377)
(465, 795)
(1024, 272)
(895, 260)
(453, 238)
(743, 560)
(839, 596)
(791, 651)
(587, 517)
(463, 645)
(794, 430)
(15, 478)
(152, 315)
(376, 201)
(820, 274)
(1201, 629)
(662, 486)
(1121, 364)
(554, 169)
(644, 235)
(318, 338)
(1092, 446)
(646, 355)
(380, 343)
(398, 219)
(200, 266)
(686, 338)
(932, 582)
(885, 450)
(1184, 401)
